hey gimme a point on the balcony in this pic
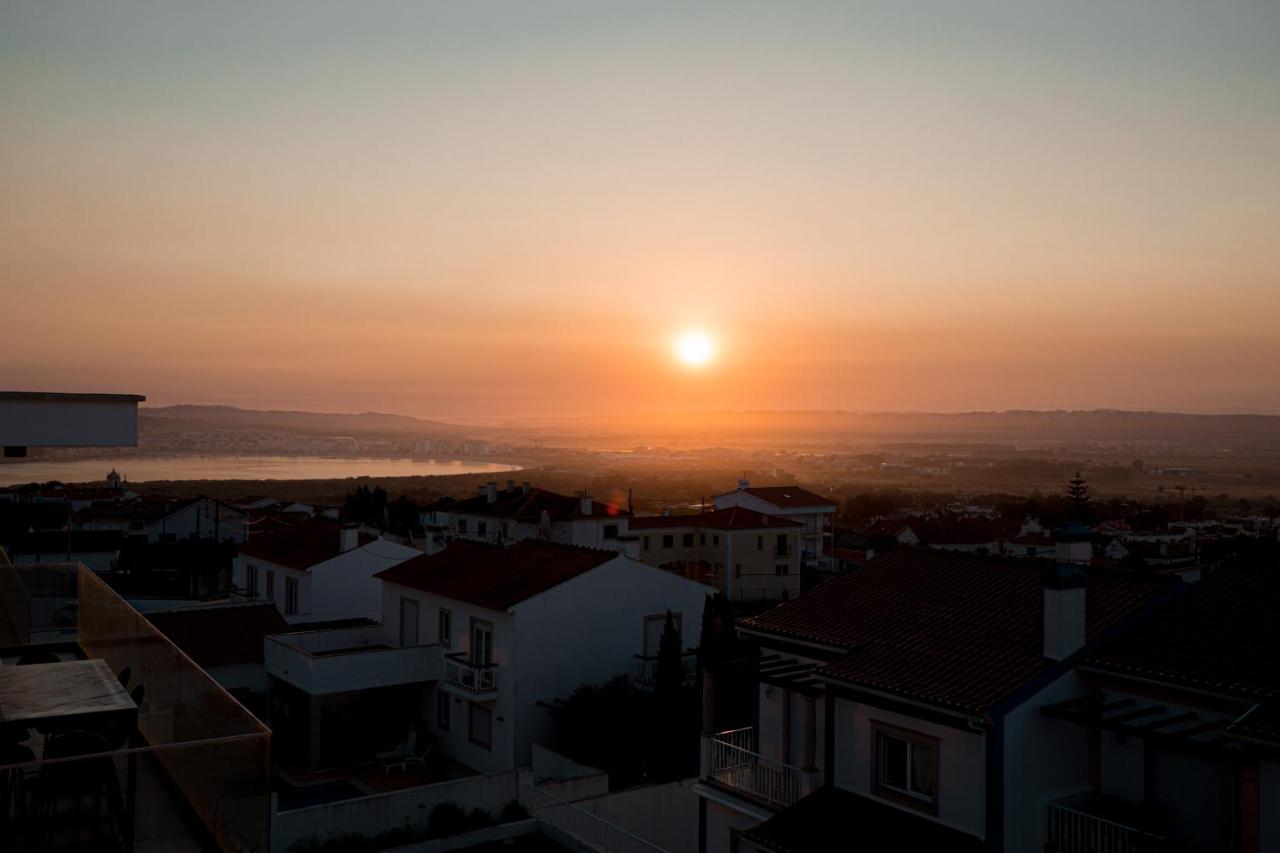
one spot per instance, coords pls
(1091, 823)
(167, 758)
(473, 678)
(730, 761)
(646, 671)
(345, 659)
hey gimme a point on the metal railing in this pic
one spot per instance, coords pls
(646, 673)
(469, 675)
(1070, 830)
(587, 828)
(732, 761)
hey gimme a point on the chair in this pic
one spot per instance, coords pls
(405, 754)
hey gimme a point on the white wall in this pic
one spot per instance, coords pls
(588, 630)
(344, 587)
(203, 519)
(961, 769)
(721, 821)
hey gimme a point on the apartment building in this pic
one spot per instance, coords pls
(318, 569)
(513, 513)
(748, 555)
(813, 511)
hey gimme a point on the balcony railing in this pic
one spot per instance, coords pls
(731, 761)
(469, 675)
(646, 673)
(346, 659)
(1073, 827)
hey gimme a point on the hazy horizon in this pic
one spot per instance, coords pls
(507, 210)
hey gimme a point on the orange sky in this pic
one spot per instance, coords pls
(506, 210)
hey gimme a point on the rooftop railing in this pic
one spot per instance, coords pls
(192, 767)
(1072, 826)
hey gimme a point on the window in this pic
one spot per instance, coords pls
(481, 725)
(481, 642)
(782, 569)
(715, 540)
(668, 541)
(408, 622)
(759, 543)
(290, 596)
(271, 585)
(442, 710)
(737, 570)
(611, 531)
(702, 539)
(906, 767)
(644, 543)
(781, 548)
(687, 540)
(482, 528)
(251, 581)
(444, 628)
(462, 525)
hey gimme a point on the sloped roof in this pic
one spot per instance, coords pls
(1222, 635)
(789, 497)
(494, 576)
(526, 507)
(955, 630)
(730, 518)
(301, 545)
(221, 635)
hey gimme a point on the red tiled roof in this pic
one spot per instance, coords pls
(494, 576)
(951, 629)
(789, 497)
(527, 507)
(218, 635)
(730, 518)
(1221, 635)
(301, 545)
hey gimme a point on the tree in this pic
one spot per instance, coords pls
(671, 702)
(1078, 499)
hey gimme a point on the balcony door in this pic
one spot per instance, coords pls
(408, 622)
(481, 642)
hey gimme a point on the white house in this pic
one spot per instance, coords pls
(198, 518)
(903, 701)
(509, 514)
(815, 512)
(317, 570)
(474, 637)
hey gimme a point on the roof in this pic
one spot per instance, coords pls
(831, 813)
(730, 518)
(954, 630)
(520, 505)
(788, 497)
(494, 576)
(221, 635)
(1222, 636)
(301, 545)
(57, 396)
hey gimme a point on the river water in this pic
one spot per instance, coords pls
(140, 469)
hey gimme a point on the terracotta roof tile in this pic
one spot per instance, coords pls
(221, 635)
(300, 545)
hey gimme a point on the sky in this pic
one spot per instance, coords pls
(495, 210)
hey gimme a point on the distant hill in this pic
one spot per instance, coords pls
(230, 417)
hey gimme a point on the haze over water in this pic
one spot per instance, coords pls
(239, 468)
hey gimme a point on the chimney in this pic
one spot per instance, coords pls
(1063, 588)
(349, 538)
(1073, 543)
(480, 490)
(743, 484)
(586, 503)
(511, 485)
(525, 487)
(491, 491)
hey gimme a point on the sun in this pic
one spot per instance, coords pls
(695, 348)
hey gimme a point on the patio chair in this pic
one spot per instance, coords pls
(84, 786)
(405, 754)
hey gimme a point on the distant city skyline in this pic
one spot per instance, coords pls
(501, 210)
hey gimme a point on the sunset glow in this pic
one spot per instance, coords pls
(695, 348)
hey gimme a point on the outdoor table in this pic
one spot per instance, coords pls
(57, 697)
